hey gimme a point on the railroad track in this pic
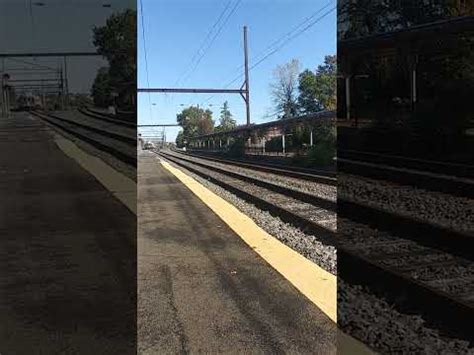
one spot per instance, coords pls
(320, 176)
(455, 179)
(440, 167)
(117, 146)
(107, 118)
(433, 278)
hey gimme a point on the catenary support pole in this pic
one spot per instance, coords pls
(247, 92)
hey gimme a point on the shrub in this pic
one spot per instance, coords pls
(237, 148)
(321, 154)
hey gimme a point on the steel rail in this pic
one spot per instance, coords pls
(435, 305)
(125, 158)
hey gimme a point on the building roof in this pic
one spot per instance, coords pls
(279, 123)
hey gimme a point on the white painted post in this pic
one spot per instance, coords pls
(311, 138)
(283, 143)
(263, 145)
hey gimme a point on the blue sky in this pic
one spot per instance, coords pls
(175, 29)
(58, 26)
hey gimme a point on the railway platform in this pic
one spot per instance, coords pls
(67, 251)
(202, 289)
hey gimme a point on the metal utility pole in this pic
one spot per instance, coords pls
(243, 91)
(2, 102)
(247, 92)
(66, 82)
(5, 95)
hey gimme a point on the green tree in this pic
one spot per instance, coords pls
(180, 139)
(284, 89)
(318, 90)
(101, 89)
(307, 98)
(195, 121)
(359, 18)
(226, 122)
(116, 41)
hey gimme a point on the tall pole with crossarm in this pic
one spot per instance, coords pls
(243, 91)
(247, 93)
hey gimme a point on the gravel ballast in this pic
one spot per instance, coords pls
(367, 317)
(445, 210)
(380, 326)
(321, 190)
(305, 244)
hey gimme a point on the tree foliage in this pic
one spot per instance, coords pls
(102, 88)
(317, 90)
(359, 18)
(116, 41)
(195, 121)
(284, 89)
(180, 140)
(226, 122)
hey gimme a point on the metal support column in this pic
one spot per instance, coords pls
(244, 90)
(66, 84)
(348, 97)
(2, 102)
(413, 81)
(247, 93)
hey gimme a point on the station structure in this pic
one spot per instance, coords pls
(411, 49)
(256, 135)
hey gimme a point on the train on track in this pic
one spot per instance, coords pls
(28, 102)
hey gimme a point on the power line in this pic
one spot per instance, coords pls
(33, 64)
(289, 39)
(293, 37)
(274, 43)
(204, 42)
(237, 3)
(146, 59)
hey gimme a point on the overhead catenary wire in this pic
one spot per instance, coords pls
(301, 24)
(209, 32)
(289, 37)
(236, 4)
(32, 64)
(219, 30)
(145, 57)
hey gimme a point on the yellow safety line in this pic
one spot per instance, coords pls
(123, 188)
(315, 283)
